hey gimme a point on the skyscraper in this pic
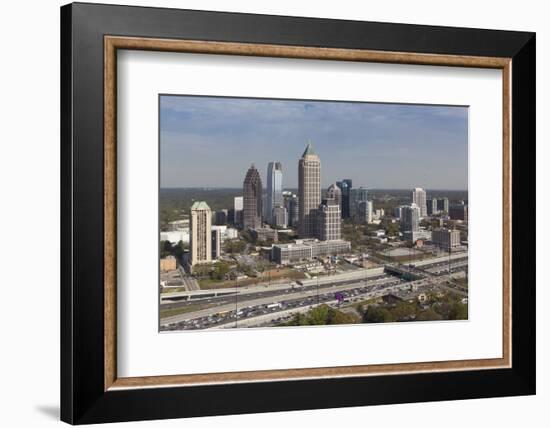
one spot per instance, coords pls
(443, 205)
(356, 197)
(252, 199)
(364, 212)
(200, 233)
(419, 198)
(279, 216)
(345, 186)
(216, 243)
(329, 220)
(411, 218)
(238, 210)
(291, 204)
(309, 191)
(432, 206)
(274, 189)
(334, 192)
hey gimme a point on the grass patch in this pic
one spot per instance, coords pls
(165, 313)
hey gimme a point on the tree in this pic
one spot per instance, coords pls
(404, 311)
(219, 271)
(458, 311)
(392, 229)
(376, 314)
(166, 249)
(428, 315)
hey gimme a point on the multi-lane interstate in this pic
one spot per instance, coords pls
(243, 307)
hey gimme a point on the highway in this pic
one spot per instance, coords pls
(259, 306)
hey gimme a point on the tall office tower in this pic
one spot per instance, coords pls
(398, 212)
(309, 191)
(356, 196)
(419, 198)
(443, 205)
(238, 210)
(200, 233)
(216, 243)
(458, 212)
(432, 206)
(364, 212)
(334, 192)
(274, 194)
(329, 220)
(279, 217)
(345, 186)
(220, 217)
(291, 204)
(411, 218)
(252, 199)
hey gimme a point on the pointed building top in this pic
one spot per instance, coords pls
(309, 149)
(199, 205)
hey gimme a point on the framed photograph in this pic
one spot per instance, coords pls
(266, 213)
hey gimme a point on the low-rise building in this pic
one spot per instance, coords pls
(168, 263)
(307, 249)
(264, 234)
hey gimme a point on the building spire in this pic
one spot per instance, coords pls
(309, 149)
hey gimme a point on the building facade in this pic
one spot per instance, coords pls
(458, 212)
(216, 245)
(200, 233)
(274, 193)
(309, 191)
(279, 217)
(446, 239)
(307, 249)
(410, 218)
(432, 206)
(418, 197)
(252, 199)
(329, 220)
(443, 205)
(364, 213)
(345, 187)
(237, 214)
(292, 209)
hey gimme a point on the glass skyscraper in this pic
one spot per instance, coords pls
(274, 189)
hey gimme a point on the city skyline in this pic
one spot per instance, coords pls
(195, 129)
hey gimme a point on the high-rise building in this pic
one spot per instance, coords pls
(221, 217)
(443, 205)
(309, 191)
(329, 220)
(357, 195)
(291, 204)
(252, 199)
(411, 218)
(238, 210)
(279, 216)
(364, 212)
(419, 198)
(216, 235)
(447, 239)
(334, 192)
(458, 212)
(398, 212)
(274, 194)
(345, 186)
(200, 233)
(432, 206)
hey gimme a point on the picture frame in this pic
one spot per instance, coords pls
(91, 391)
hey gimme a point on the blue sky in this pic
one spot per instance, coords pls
(211, 141)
